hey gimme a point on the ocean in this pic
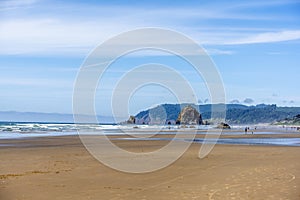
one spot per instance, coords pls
(19, 130)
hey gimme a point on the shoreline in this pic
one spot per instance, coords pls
(156, 132)
(282, 139)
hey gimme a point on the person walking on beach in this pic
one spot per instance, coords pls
(246, 130)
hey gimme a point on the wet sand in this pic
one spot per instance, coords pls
(61, 168)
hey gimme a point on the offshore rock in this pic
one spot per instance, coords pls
(131, 120)
(223, 126)
(189, 115)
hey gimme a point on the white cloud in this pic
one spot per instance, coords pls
(36, 82)
(253, 4)
(53, 36)
(219, 52)
(46, 36)
(235, 101)
(248, 101)
(268, 37)
(15, 4)
(61, 33)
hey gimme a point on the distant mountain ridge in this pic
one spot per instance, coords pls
(235, 113)
(13, 116)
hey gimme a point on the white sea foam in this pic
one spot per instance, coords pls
(18, 130)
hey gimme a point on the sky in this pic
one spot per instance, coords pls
(43, 43)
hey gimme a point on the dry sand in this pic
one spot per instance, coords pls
(61, 168)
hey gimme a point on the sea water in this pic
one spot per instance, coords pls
(15, 130)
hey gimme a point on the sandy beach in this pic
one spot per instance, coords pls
(61, 168)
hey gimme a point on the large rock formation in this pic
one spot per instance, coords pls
(189, 115)
(223, 126)
(131, 120)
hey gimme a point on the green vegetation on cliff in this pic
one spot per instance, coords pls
(235, 113)
(290, 121)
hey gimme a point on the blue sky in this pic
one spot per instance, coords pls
(254, 44)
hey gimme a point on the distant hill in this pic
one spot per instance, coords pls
(290, 121)
(235, 113)
(12, 116)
